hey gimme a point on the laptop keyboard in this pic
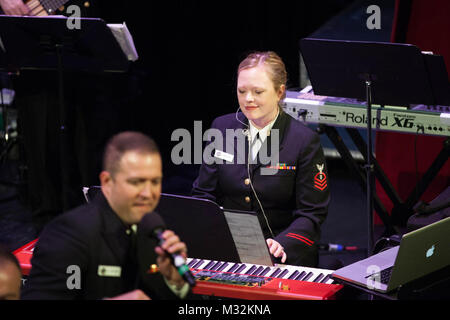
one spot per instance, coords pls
(386, 275)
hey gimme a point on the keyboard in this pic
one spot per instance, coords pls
(309, 108)
(252, 281)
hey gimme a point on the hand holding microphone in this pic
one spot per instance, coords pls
(171, 251)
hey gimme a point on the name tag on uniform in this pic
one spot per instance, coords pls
(109, 271)
(224, 156)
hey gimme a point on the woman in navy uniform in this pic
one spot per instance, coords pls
(292, 200)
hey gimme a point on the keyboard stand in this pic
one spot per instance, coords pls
(357, 70)
(402, 210)
(355, 168)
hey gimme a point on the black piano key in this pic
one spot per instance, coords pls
(193, 261)
(249, 271)
(234, 267)
(309, 275)
(275, 273)
(216, 265)
(209, 265)
(300, 276)
(294, 275)
(241, 267)
(318, 278)
(223, 266)
(262, 274)
(198, 264)
(282, 274)
(258, 271)
(324, 280)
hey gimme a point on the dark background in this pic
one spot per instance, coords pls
(189, 52)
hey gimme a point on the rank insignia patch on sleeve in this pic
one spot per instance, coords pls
(320, 179)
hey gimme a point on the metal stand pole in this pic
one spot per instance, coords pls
(369, 168)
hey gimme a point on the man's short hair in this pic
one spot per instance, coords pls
(124, 142)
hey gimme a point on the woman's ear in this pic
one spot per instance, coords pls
(281, 91)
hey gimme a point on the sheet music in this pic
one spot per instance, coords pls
(248, 238)
(125, 40)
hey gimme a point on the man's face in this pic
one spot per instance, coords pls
(10, 281)
(135, 188)
(257, 96)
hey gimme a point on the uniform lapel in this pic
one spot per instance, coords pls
(266, 148)
(113, 231)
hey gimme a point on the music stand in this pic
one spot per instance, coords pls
(381, 73)
(201, 224)
(47, 43)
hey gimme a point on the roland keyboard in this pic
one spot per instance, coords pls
(335, 111)
(255, 282)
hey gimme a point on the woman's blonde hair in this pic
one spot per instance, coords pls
(275, 67)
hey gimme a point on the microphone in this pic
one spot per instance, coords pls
(154, 226)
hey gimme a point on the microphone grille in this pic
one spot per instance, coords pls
(150, 222)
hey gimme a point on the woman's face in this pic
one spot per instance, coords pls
(257, 96)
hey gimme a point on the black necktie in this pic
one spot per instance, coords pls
(131, 272)
(252, 145)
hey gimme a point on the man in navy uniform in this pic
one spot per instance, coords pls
(101, 243)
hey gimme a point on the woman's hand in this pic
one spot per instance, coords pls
(14, 7)
(276, 250)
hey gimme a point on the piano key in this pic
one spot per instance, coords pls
(233, 268)
(294, 275)
(241, 268)
(275, 272)
(309, 275)
(258, 271)
(328, 279)
(192, 262)
(265, 271)
(223, 266)
(209, 265)
(216, 265)
(250, 270)
(283, 273)
(301, 275)
(318, 278)
(199, 263)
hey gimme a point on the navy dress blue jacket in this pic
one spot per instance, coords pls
(295, 199)
(94, 240)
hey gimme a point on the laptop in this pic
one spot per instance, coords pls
(420, 252)
(213, 233)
